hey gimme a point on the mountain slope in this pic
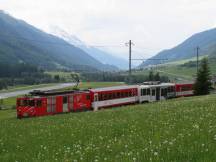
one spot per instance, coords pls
(205, 40)
(100, 55)
(21, 42)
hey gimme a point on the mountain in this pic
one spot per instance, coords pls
(100, 55)
(21, 42)
(205, 40)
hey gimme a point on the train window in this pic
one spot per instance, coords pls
(22, 103)
(104, 96)
(185, 88)
(39, 103)
(164, 92)
(130, 94)
(172, 89)
(122, 94)
(144, 92)
(114, 95)
(31, 103)
(18, 102)
(88, 97)
(100, 97)
(127, 94)
(109, 96)
(95, 97)
(118, 94)
(153, 92)
(148, 91)
(65, 99)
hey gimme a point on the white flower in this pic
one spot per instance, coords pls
(155, 153)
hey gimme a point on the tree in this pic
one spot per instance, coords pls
(57, 78)
(151, 76)
(202, 85)
(157, 77)
(1, 104)
(75, 77)
(3, 84)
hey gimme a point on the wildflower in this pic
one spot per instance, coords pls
(155, 153)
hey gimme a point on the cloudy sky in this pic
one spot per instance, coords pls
(151, 24)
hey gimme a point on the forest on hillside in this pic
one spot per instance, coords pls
(22, 74)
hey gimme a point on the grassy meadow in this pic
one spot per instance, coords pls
(177, 72)
(178, 130)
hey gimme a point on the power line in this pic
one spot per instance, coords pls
(151, 59)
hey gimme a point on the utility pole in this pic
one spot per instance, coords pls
(197, 52)
(129, 44)
(130, 57)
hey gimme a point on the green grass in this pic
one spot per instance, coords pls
(87, 85)
(180, 62)
(176, 72)
(176, 130)
(65, 75)
(8, 103)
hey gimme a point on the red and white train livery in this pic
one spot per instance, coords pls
(50, 103)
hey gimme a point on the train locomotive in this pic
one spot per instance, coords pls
(50, 103)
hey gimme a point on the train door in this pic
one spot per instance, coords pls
(65, 103)
(95, 105)
(96, 97)
(153, 94)
(51, 105)
(71, 103)
(158, 93)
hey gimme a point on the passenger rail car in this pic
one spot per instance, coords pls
(50, 103)
(151, 93)
(184, 90)
(113, 96)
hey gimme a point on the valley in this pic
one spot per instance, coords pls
(161, 110)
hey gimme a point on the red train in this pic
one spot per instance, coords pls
(50, 103)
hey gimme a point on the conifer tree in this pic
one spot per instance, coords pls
(157, 77)
(203, 84)
(151, 76)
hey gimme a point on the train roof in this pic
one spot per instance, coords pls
(54, 93)
(158, 85)
(113, 88)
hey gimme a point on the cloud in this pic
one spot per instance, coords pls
(151, 24)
